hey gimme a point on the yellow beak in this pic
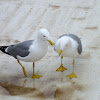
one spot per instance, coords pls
(60, 52)
(50, 42)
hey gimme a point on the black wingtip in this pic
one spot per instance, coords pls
(3, 48)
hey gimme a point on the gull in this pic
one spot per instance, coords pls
(68, 46)
(30, 50)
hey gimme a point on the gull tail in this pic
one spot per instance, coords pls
(3, 49)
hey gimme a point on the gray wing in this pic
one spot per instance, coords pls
(21, 49)
(77, 39)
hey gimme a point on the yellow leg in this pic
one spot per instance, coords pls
(22, 68)
(72, 75)
(34, 75)
(61, 68)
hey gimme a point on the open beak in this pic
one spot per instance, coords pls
(60, 52)
(50, 42)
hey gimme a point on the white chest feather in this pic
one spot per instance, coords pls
(70, 51)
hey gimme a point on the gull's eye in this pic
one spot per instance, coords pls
(43, 36)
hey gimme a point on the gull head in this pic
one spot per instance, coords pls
(44, 35)
(64, 43)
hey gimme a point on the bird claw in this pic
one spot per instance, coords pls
(36, 76)
(61, 68)
(72, 76)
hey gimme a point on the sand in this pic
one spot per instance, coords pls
(21, 19)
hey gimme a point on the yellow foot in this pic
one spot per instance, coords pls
(36, 76)
(61, 68)
(24, 72)
(72, 75)
(25, 75)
